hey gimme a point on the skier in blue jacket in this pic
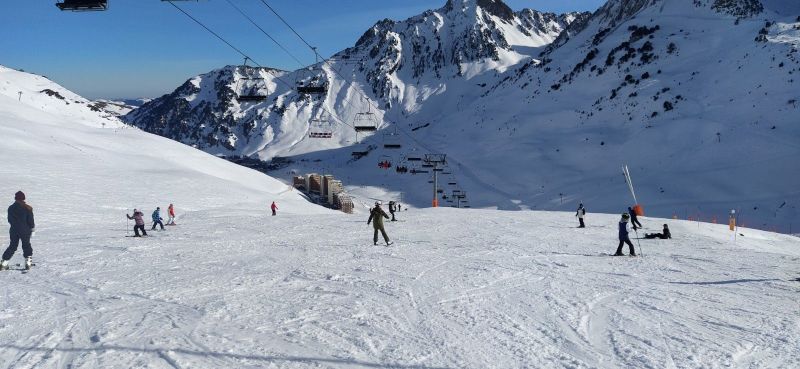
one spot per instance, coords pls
(157, 220)
(624, 229)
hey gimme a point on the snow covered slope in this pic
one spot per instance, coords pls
(460, 289)
(75, 162)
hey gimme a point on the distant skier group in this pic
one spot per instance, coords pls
(627, 221)
(138, 218)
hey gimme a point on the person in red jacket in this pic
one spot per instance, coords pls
(274, 209)
(171, 213)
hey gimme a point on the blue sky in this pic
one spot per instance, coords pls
(146, 48)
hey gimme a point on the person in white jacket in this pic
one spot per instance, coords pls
(580, 214)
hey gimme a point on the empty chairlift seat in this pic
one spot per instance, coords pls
(312, 80)
(83, 5)
(360, 151)
(365, 122)
(250, 88)
(320, 128)
(392, 141)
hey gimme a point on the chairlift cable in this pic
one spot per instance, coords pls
(265, 32)
(212, 32)
(240, 52)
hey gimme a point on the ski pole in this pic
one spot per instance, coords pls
(638, 243)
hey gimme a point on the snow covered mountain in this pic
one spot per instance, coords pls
(120, 107)
(698, 97)
(394, 63)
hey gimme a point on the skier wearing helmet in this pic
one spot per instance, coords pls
(624, 229)
(376, 216)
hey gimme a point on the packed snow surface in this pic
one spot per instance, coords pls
(234, 288)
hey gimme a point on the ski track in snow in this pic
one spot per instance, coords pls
(236, 290)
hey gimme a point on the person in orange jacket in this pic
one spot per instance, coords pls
(274, 209)
(171, 213)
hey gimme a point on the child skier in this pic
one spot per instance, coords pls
(392, 209)
(171, 214)
(20, 217)
(623, 236)
(157, 219)
(138, 216)
(377, 214)
(580, 214)
(274, 209)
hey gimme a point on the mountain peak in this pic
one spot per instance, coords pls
(494, 7)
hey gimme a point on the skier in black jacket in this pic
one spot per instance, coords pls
(20, 217)
(634, 221)
(623, 236)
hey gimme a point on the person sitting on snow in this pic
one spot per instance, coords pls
(665, 234)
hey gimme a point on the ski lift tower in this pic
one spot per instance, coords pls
(436, 161)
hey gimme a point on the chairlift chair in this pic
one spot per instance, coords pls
(311, 80)
(392, 141)
(365, 122)
(413, 158)
(253, 93)
(320, 127)
(427, 165)
(83, 5)
(360, 151)
(452, 183)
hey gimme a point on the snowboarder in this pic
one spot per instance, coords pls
(171, 214)
(157, 219)
(665, 234)
(20, 217)
(392, 209)
(634, 220)
(377, 214)
(580, 214)
(138, 216)
(274, 209)
(623, 236)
